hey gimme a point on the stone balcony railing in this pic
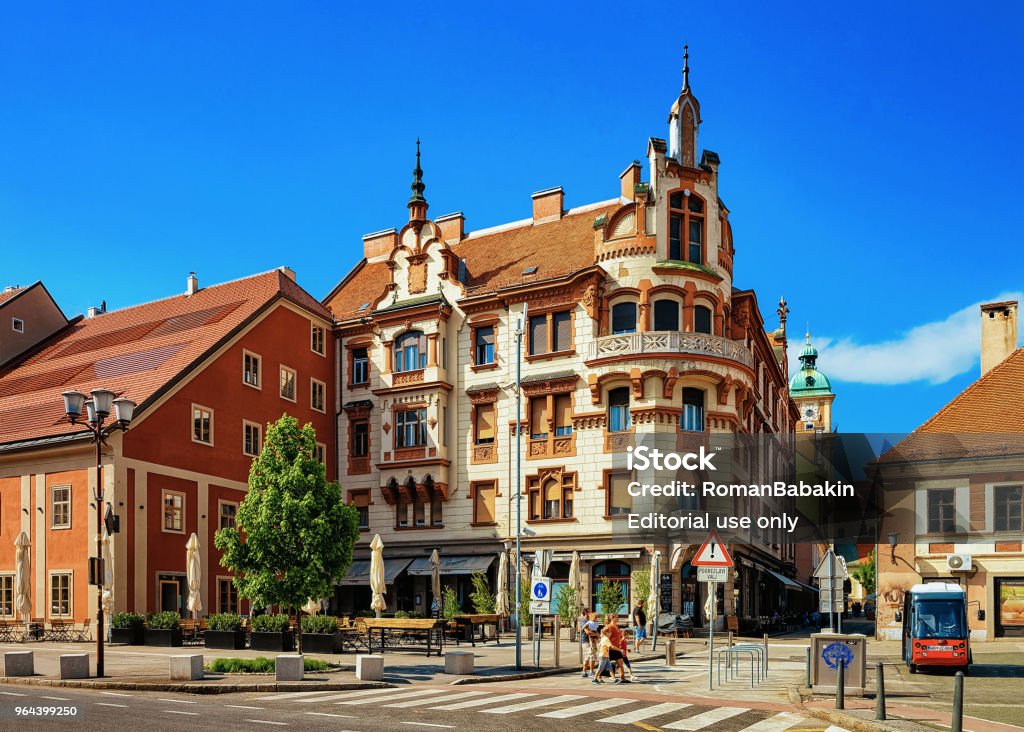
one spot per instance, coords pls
(669, 342)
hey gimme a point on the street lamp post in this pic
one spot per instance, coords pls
(97, 410)
(520, 329)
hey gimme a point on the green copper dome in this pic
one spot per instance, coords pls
(808, 381)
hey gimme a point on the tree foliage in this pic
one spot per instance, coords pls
(865, 574)
(610, 596)
(641, 579)
(450, 606)
(481, 596)
(566, 605)
(294, 534)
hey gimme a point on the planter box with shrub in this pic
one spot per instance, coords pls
(271, 633)
(320, 634)
(224, 631)
(162, 629)
(128, 628)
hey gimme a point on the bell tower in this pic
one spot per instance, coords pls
(684, 121)
(812, 392)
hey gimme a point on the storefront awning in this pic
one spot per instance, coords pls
(788, 583)
(359, 571)
(469, 564)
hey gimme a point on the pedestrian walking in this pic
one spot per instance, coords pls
(604, 653)
(639, 625)
(589, 630)
(619, 642)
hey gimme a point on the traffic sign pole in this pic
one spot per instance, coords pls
(713, 595)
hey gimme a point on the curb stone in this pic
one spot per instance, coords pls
(197, 688)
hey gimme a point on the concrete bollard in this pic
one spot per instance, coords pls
(19, 663)
(187, 667)
(74, 666)
(458, 663)
(670, 652)
(371, 668)
(879, 692)
(290, 667)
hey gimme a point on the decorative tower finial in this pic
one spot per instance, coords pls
(417, 203)
(783, 312)
(686, 67)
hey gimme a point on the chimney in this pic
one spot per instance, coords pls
(547, 205)
(193, 284)
(453, 227)
(379, 245)
(629, 179)
(998, 333)
(287, 272)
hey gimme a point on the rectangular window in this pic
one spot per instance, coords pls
(1008, 515)
(941, 511)
(538, 417)
(174, 512)
(696, 234)
(483, 503)
(227, 596)
(360, 438)
(60, 594)
(360, 366)
(538, 334)
(563, 415)
(7, 595)
(317, 338)
(60, 507)
(361, 500)
(619, 502)
(251, 371)
(692, 418)
(401, 514)
(411, 428)
(202, 425)
(666, 315)
(561, 325)
(17, 325)
(483, 424)
(317, 390)
(419, 512)
(252, 438)
(484, 347)
(227, 514)
(288, 383)
(674, 225)
(444, 425)
(550, 333)
(552, 500)
(436, 510)
(320, 453)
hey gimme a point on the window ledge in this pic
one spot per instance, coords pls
(358, 385)
(419, 528)
(484, 366)
(547, 356)
(484, 523)
(551, 521)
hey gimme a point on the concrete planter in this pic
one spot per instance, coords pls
(128, 636)
(282, 642)
(231, 640)
(321, 642)
(164, 638)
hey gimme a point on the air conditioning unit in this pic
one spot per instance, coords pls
(958, 562)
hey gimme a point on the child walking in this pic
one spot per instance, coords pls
(604, 650)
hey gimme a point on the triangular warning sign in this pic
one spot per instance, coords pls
(712, 553)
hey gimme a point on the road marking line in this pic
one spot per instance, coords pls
(56, 698)
(835, 728)
(327, 714)
(700, 721)
(640, 714)
(11, 693)
(522, 706)
(293, 695)
(332, 695)
(432, 700)
(265, 721)
(240, 706)
(481, 702)
(108, 704)
(778, 723)
(176, 701)
(114, 693)
(598, 706)
(403, 695)
(178, 711)
(429, 724)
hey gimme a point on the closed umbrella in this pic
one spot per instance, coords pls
(108, 574)
(312, 607)
(653, 598)
(195, 575)
(377, 587)
(435, 575)
(575, 583)
(22, 585)
(501, 596)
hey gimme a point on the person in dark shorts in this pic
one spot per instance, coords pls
(639, 626)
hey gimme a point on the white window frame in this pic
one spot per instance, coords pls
(322, 457)
(5, 579)
(295, 383)
(163, 517)
(312, 339)
(259, 428)
(17, 325)
(192, 424)
(259, 369)
(53, 503)
(51, 575)
(313, 383)
(220, 507)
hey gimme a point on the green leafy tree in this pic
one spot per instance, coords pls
(450, 606)
(609, 596)
(566, 605)
(641, 579)
(481, 596)
(525, 617)
(865, 574)
(294, 533)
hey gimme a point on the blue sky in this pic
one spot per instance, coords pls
(870, 154)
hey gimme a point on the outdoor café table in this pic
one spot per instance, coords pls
(434, 628)
(480, 620)
(11, 631)
(59, 630)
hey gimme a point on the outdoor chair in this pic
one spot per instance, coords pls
(80, 635)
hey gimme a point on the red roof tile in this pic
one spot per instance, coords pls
(134, 351)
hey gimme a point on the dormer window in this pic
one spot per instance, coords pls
(410, 351)
(686, 227)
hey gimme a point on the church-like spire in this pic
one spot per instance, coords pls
(683, 120)
(417, 203)
(686, 68)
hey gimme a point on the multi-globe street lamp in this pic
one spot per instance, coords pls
(96, 411)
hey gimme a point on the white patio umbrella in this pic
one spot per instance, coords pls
(377, 587)
(501, 596)
(653, 598)
(108, 574)
(577, 590)
(195, 575)
(312, 607)
(22, 582)
(435, 575)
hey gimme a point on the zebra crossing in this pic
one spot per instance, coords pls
(610, 711)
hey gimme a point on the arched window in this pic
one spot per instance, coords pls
(692, 419)
(410, 351)
(701, 319)
(686, 228)
(610, 572)
(624, 317)
(618, 410)
(666, 315)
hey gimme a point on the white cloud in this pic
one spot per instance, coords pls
(933, 352)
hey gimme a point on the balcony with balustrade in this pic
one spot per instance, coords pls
(668, 343)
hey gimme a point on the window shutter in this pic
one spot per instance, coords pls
(538, 416)
(563, 410)
(552, 491)
(563, 331)
(361, 499)
(484, 422)
(619, 497)
(539, 334)
(485, 503)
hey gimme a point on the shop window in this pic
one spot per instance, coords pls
(7, 595)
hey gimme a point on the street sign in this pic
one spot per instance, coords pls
(824, 606)
(540, 590)
(712, 553)
(538, 607)
(712, 574)
(842, 571)
(831, 565)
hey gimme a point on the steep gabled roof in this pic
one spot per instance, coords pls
(137, 351)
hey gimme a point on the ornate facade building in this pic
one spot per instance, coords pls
(632, 326)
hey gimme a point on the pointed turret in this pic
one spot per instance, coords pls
(417, 203)
(684, 120)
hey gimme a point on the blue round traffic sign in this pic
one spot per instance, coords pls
(540, 590)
